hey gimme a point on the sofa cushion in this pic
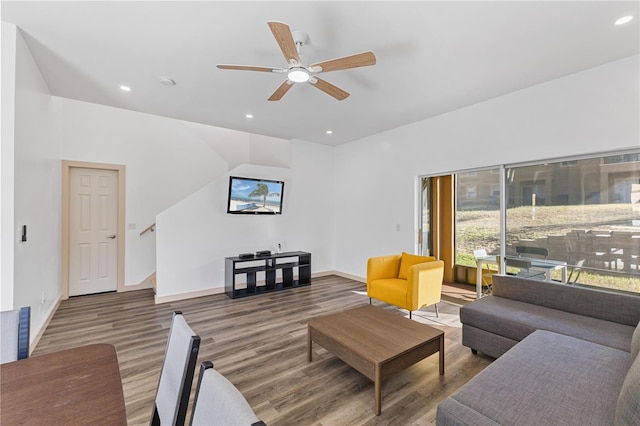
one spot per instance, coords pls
(592, 302)
(408, 260)
(391, 290)
(516, 320)
(635, 342)
(628, 407)
(548, 379)
(452, 413)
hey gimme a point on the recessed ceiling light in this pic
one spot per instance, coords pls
(249, 115)
(166, 81)
(329, 132)
(125, 88)
(624, 20)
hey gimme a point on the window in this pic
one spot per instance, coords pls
(584, 215)
(472, 192)
(584, 212)
(624, 158)
(478, 217)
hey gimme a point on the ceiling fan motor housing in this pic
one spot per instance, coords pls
(300, 38)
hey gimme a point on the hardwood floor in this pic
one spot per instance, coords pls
(259, 344)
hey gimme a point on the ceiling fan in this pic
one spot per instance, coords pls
(290, 43)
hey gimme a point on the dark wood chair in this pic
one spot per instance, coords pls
(176, 376)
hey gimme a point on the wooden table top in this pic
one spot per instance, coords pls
(374, 333)
(75, 386)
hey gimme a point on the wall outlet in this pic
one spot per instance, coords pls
(44, 297)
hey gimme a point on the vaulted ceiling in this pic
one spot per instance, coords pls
(432, 56)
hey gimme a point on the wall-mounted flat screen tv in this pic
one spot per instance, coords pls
(255, 196)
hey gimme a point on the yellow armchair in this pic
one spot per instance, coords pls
(404, 280)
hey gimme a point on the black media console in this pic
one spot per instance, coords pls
(275, 272)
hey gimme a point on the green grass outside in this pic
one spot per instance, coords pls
(481, 229)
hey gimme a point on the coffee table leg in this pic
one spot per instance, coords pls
(378, 391)
(442, 354)
(308, 344)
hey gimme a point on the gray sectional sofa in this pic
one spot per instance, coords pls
(567, 355)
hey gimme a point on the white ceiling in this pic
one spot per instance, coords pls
(432, 56)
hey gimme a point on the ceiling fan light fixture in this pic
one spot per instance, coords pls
(298, 75)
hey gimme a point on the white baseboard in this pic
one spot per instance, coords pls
(189, 295)
(219, 290)
(146, 283)
(340, 274)
(35, 339)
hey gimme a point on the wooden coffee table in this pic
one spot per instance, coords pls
(376, 342)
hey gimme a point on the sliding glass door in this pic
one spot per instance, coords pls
(424, 227)
(477, 214)
(584, 211)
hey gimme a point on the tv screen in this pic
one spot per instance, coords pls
(254, 196)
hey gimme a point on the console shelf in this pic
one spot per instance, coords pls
(268, 265)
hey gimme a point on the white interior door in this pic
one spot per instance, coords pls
(93, 220)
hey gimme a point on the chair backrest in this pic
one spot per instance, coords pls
(219, 402)
(577, 270)
(522, 264)
(15, 326)
(479, 253)
(176, 376)
(537, 251)
(518, 263)
(525, 267)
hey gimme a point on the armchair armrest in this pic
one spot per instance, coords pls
(382, 267)
(425, 281)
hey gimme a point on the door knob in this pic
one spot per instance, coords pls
(112, 237)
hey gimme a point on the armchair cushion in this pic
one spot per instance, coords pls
(408, 260)
(392, 290)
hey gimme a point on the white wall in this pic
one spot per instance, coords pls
(7, 157)
(195, 235)
(589, 112)
(37, 193)
(165, 162)
(244, 148)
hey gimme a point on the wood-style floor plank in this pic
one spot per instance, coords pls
(259, 344)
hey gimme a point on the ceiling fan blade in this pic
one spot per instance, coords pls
(280, 91)
(250, 68)
(353, 61)
(283, 36)
(329, 88)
